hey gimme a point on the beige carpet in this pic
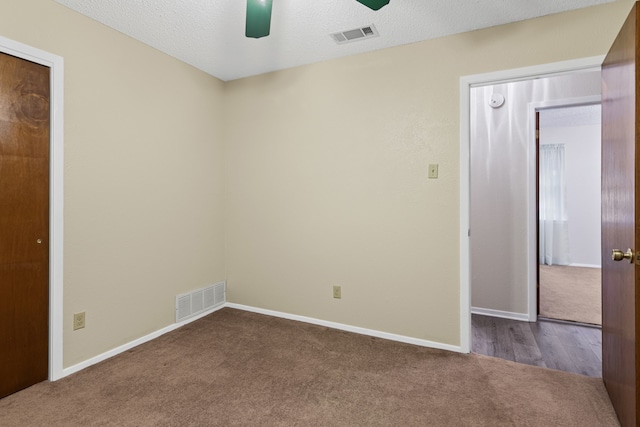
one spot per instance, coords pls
(571, 293)
(234, 368)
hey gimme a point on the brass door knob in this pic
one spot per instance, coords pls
(618, 255)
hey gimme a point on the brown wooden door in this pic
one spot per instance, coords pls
(620, 221)
(24, 223)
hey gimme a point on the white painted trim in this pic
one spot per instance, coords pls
(56, 214)
(532, 155)
(465, 218)
(114, 352)
(566, 102)
(523, 317)
(466, 83)
(535, 71)
(585, 265)
(121, 349)
(348, 328)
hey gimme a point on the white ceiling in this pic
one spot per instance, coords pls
(209, 34)
(584, 115)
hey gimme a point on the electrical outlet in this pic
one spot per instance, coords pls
(337, 292)
(433, 171)
(78, 320)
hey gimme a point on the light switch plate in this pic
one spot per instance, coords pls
(433, 171)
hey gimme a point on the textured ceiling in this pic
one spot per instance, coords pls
(209, 34)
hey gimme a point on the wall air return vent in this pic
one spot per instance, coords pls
(355, 34)
(200, 301)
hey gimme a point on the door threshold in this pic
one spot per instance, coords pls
(570, 322)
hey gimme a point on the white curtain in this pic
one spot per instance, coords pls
(554, 227)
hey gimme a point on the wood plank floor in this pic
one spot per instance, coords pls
(562, 346)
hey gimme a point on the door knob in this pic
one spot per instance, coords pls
(618, 255)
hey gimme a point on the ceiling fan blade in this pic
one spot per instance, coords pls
(258, 18)
(374, 4)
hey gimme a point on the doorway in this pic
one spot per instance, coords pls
(500, 233)
(56, 203)
(569, 223)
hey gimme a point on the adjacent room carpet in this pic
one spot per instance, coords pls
(571, 293)
(244, 369)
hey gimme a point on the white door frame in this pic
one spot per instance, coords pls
(56, 222)
(466, 83)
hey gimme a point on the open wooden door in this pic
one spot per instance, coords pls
(621, 222)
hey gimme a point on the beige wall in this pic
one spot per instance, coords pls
(143, 176)
(326, 179)
(326, 174)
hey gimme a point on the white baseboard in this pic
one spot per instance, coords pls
(498, 313)
(349, 328)
(114, 352)
(363, 331)
(585, 265)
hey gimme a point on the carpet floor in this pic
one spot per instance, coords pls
(235, 368)
(571, 293)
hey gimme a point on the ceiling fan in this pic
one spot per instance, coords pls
(259, 15)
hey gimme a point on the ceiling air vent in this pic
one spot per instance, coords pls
(355, 34)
